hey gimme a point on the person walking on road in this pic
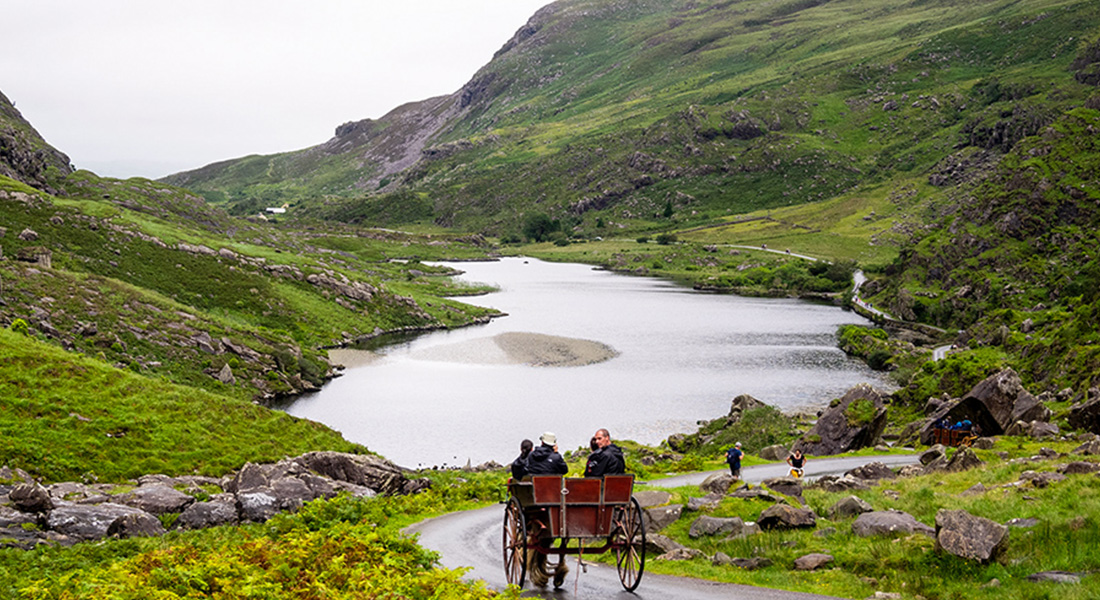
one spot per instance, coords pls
(733, 458)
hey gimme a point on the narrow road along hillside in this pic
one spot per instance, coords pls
(473, 539)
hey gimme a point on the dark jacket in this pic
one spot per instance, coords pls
(544, 461)
(605, 461)
(519, 467)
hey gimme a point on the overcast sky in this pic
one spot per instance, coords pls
(147, 87)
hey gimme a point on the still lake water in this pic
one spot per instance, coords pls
(683, 356)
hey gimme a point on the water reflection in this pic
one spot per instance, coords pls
(683, 355)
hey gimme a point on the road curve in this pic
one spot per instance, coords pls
(472, 539)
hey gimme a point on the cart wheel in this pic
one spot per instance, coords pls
(629, 541)
(515, 543)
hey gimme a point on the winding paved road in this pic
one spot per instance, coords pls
(473, 539)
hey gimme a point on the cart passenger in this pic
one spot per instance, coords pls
(519, 466)
(607, 460)
(545, 459)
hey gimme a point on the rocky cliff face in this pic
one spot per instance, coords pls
(24, 155)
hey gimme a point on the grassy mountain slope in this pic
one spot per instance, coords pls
(67, 417)
(609, 111)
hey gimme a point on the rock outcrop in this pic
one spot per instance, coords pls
(967, 536)
(995, 405)
(855, 421)
(70, 512)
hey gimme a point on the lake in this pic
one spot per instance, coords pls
(445, 398)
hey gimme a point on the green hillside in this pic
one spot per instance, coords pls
(601, 111)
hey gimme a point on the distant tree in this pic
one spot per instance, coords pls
(665, 239)
(668, 209)
(537, 227)
(599, 223)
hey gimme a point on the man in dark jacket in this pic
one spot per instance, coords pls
(607, 460)
(545, 459)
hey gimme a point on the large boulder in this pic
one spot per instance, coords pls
(965, 535)
(775, 452)
(741, 405)
(707, 526)
(872, 471)
(995, 404)
(31, 497)
(963, 460)
(812, 562)
(783, 516)
(719, 483)
(139, 524)
(87, 521)
(849, 506)
(888, 522)
(201, 515)
(840, 483)
(657, 518)
(256, 506)
(708, 502)
(855, 422)
(658, 544)
(156, 499)
(1085, 416)
(373, 472)
(788, 486)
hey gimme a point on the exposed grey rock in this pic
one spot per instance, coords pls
(967, 536)
(649, 498)
(849, 507)
(994, 404)
(1085, 416)
(872, 471)
(657, 518)
(682, 554)
(782, 516)
(833, 483)
(962, 460)
(833, 434)
(721, 559)
(788, 486)
(156, 499)
(1080, 467)
(776, 452)
(911, 471)
(974, 490)
(752, 564)
(17, 537)
(139, 524)
(1040, 430)
(31, 497)
(707, 525)
(888, 522)
(812, 562)
(373, 472)
(250, 477)
(1022, 523)
(1041, 479)
(718, 483)
(9, 517)
(201, 515)
(658, 544)
(256, 506)
(984, 443)
(708, 502)
(225, 375)
(28, 235)
(1091, 447)
(1055, 577)
(740, 405)
(758, 493)
(86, 521)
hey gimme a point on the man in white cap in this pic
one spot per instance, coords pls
(733, 458)
(545, 459)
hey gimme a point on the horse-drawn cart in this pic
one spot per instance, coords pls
(598, 514)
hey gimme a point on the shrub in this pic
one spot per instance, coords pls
(666, 238)
(20, 326)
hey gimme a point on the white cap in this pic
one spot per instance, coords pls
(738, 444)
(548, 438)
